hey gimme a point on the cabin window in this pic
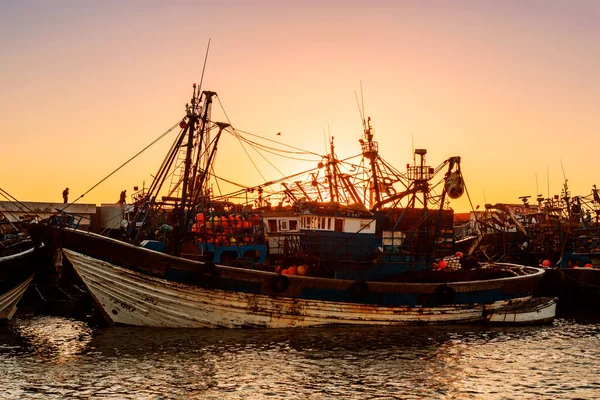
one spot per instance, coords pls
(339, 225)
(272, 225)
(328, 224)
(283, 225)
(293, 225)
(365, 225)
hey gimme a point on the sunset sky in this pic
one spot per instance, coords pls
(513, 87)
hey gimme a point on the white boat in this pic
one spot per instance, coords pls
(537, 310)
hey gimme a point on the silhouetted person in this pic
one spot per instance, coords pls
(122, 197)
(66, 195)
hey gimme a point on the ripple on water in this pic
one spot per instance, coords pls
(50, 357)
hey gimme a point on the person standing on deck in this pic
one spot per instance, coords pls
(122, 197)
(66, 195)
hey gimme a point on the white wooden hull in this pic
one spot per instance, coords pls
(131, 298)
(10, 299)
(535, 311)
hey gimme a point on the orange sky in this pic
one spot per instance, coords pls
(512, 87)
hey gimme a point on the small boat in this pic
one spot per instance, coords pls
(353, 264)
(17, 271)
(537, 310)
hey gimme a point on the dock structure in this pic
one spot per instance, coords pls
(30, 210)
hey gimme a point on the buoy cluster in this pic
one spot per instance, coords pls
(449, 263)
(227, 229)
(301, 269)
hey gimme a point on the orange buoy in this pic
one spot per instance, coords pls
(459, 254)
(546, 263)
(434, 266)
(284, 272)
(442, 264)
(200, 217)
(588, 265)
(292, 270)
(301, 270)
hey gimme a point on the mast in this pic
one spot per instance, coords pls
(370, 151)
(192, 115)
(199, 185)
(331, 174)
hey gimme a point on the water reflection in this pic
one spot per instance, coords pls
(54, 339)
(58, 358)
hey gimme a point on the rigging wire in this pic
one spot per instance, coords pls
(245, 151)
(12, 199)
(270, 163)
(301, 151)
(269, 149)
(124, 164)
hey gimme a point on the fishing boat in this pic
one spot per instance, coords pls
(191, 261)
(20, 260)
(575, 276)
(560, 233)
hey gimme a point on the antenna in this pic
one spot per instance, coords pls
(362, 116)
(204, 67)
(362, 99)
(548, 179)
(565, 184)
(484, 199)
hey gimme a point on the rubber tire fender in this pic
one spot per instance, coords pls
(444, 294)
(358, 290)
(280, 283)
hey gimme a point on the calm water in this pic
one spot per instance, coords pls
(56, 358)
